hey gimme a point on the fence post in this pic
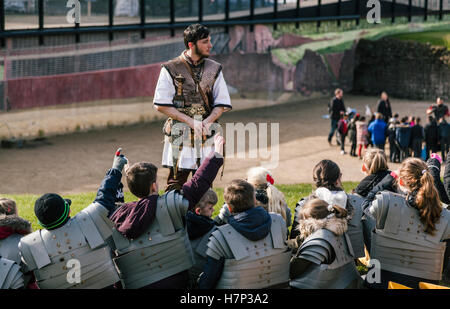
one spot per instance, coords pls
(111, 19)
(319, 6)
(200, 11)
(172, 17)
(227, 14)
(425, 11)
(252, 13)
(275, 13)
(41, 20)
(297, 14)
(2, 22)
(357, 11)
(393, 11)
(409, 10)
(440, 9)
(339, 12)
(142, 10)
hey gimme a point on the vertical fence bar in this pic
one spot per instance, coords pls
(200, 11)
(142, 11)
(111, 19)
(227, 13)
(440, 9)
(172, 17)
(339, 6)
(357, 11)
(409, 10)
(2, 22)
(275, 13)
(41, 20)
(318, 13)
(425, 11)
(297, 14)
(393, 11)
(252, 13)
(77, 35)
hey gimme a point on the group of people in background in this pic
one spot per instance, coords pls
(406, 136)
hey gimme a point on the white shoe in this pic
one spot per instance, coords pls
(343, 152)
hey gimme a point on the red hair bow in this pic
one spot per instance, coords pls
(270, 179)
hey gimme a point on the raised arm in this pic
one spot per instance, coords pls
(434, 167)
(194, 189)
(106, 194)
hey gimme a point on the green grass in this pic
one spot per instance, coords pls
(25, 202)
(439, 38)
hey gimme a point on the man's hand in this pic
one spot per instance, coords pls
(119, 160)
(219, 141)
(206, 127)
(197, 127)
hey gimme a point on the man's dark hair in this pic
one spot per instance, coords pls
(239, 195)
(140, 176)
(195, 32)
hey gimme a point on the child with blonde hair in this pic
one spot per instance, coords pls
(267, 195)
(375, 167)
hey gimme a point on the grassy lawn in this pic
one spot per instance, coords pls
(439, 38)
(25, 202)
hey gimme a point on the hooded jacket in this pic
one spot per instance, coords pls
(10, 225)
(370, 181)
(254, 224)
(198, 225)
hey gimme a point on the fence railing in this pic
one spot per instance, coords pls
(48, 17)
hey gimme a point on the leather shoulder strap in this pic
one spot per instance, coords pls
(204, 97)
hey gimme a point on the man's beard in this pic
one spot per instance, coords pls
(201, 55)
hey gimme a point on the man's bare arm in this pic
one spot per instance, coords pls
(215, 114)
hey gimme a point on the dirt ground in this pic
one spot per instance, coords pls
(77, 162)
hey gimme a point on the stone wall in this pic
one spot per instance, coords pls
(324, 73)
(251, 72)
(403, 69)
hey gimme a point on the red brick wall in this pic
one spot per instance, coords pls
(82, 87)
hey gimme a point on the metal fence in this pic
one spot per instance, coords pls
(39, 18)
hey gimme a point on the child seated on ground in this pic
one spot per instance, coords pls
(199, 228)
(267, 195)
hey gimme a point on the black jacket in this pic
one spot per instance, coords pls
(384, 108)
(370, 181)
(417, 132)
(431, 133)
(335, 107)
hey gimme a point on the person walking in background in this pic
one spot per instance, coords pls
(384, 107)
(342, 129)
(444, 136)
(417, 136)
(431, 137)
(361, 135)
(393, 149)
(403, 137)
(335, 107)
(377, 130)
(438, 110)
(352, 134)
